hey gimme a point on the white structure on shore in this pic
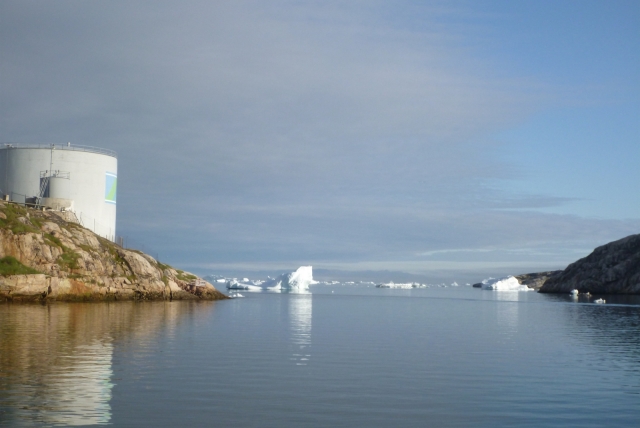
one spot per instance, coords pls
(66, 177)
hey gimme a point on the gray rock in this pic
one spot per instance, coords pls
(536, 280)
(613, 268)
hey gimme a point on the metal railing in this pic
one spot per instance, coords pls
(68, 146)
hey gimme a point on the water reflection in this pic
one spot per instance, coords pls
(507, 312)
(56, 360)
(300, 314)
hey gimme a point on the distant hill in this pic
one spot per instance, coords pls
(613, 268)
(46, 256)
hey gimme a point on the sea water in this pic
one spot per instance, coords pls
(340, 356)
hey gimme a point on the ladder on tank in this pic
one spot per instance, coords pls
(43, 187)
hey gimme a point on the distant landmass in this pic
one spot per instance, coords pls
(45, 255)
(613, 268)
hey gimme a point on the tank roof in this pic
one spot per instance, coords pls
(72, 147)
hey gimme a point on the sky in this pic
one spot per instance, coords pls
(439, 139)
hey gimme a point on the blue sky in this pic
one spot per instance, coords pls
(442, 139)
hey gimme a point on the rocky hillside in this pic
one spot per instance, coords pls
(536, 280)
(45, 257)
(613, 268)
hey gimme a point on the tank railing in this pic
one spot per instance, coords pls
(68, 146)
(90, 223)
(55, 174)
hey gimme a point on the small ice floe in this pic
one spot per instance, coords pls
(235, 295)
(405, 286)
(574, 292)
(599, 301)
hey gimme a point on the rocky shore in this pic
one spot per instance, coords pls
(613, 268)
(45, 256)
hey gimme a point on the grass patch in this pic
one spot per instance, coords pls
(163, 267)
(185, 276)
(52, 240)
(11, 266)
(13, 213)
(36, 222)
(87, 248)
(68, 259)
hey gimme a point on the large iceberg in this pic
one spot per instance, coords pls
(508, 283)
(294, 281)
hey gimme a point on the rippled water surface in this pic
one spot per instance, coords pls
(347, 356)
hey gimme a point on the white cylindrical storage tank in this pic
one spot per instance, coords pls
(59, 187)
(91, 183)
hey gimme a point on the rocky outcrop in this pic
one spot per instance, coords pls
(531, 280)
(613, 268)
(536, 280)
(76, 264)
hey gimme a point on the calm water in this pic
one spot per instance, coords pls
(354, 357)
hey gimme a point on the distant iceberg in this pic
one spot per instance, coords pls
(294, 281)
(402, 286)
(233, 284)
(509, 283)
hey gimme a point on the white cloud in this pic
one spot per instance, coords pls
(252, 131)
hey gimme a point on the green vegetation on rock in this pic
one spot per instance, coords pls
(11, 266)
(17, 220)
(75, 264)
(182, 276)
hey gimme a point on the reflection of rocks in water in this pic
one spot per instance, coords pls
(300, 312)
(56, 360)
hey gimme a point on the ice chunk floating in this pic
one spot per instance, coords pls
(233, 284)
(509, 283)
(294, 281)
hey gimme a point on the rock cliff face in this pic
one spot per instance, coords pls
(613, 268)
(76, 264)
(536, 280)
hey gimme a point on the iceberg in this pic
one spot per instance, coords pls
(233, 284)
(508, 283)
(401, 286)
(294, 281)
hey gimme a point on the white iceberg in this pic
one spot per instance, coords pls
(233, 284)
(405, 286)
(294, 281)
(509, 283)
